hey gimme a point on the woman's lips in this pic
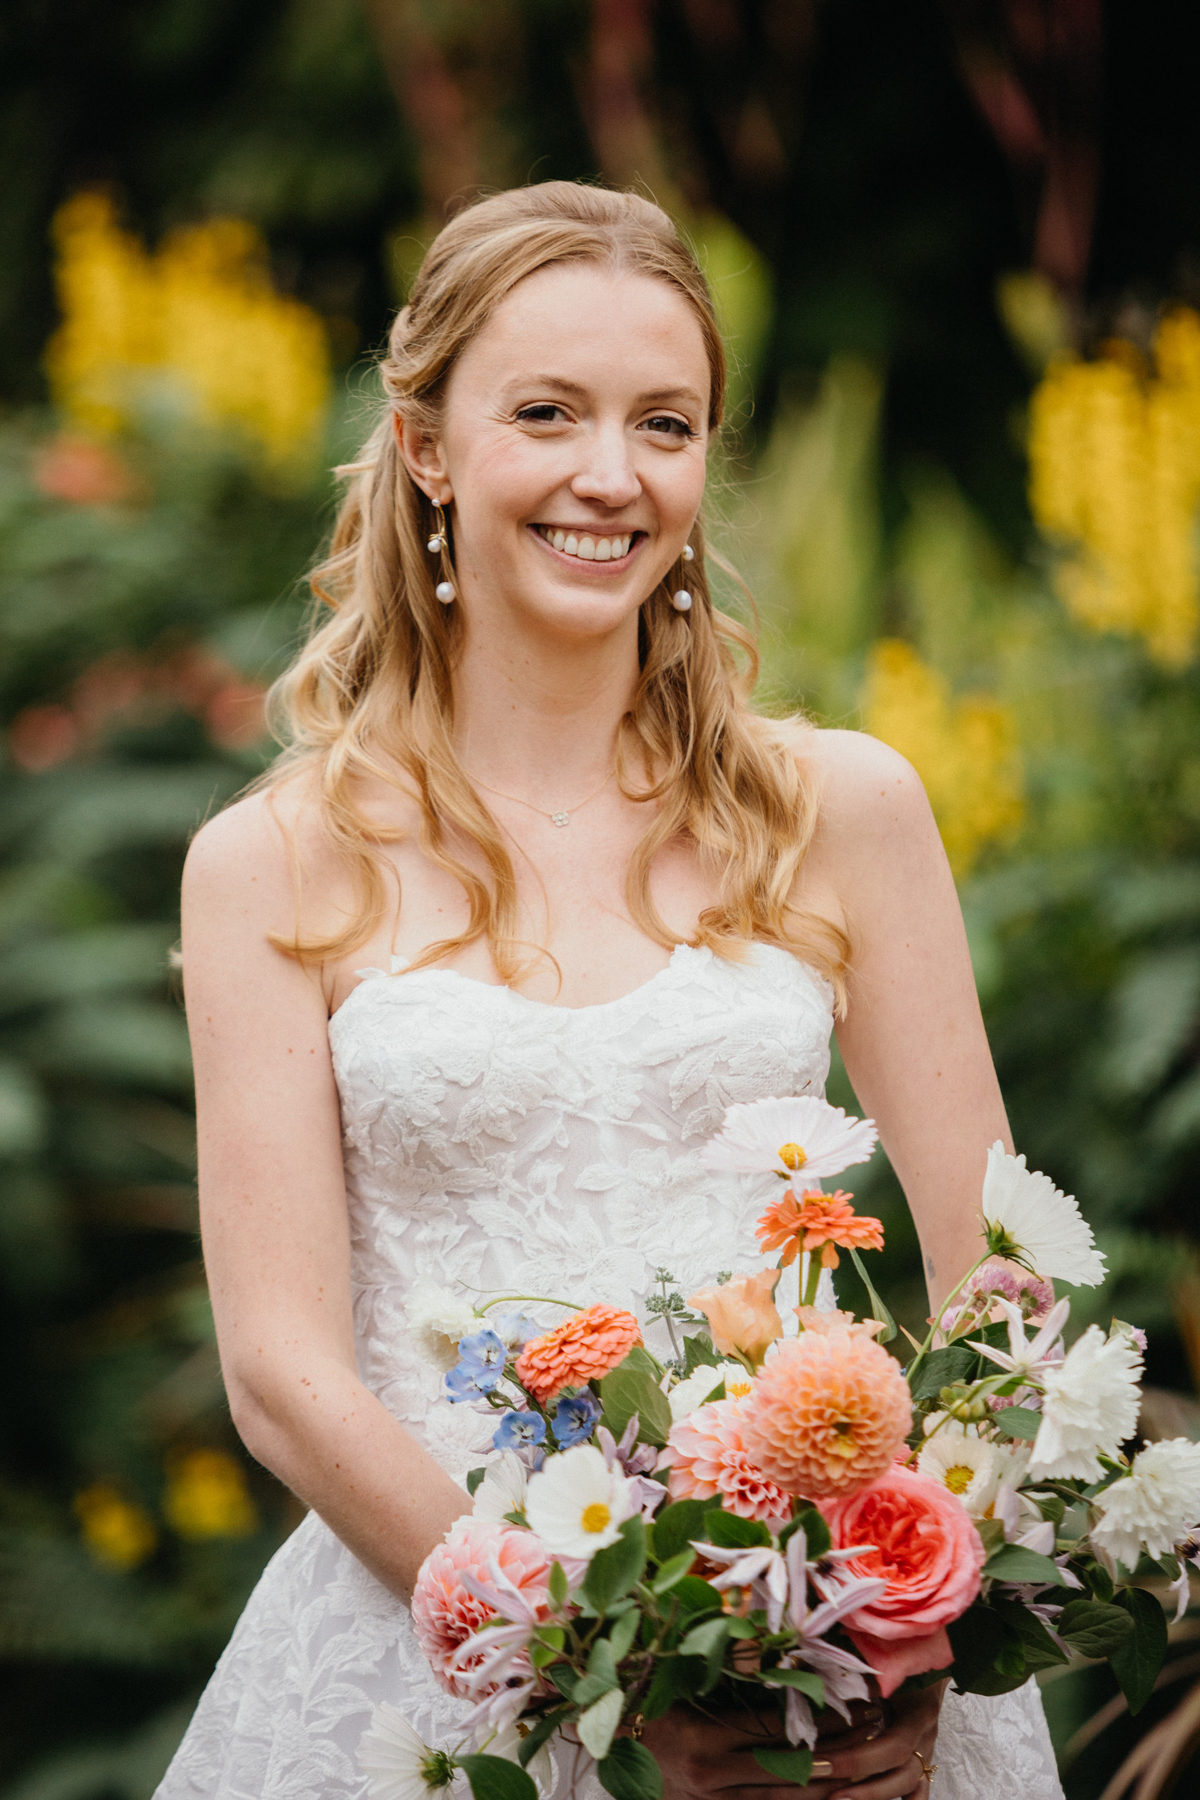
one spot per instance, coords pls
(589, 547)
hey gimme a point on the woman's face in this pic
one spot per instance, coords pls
(573, 445)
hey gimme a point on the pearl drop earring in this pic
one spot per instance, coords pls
(681, 600)
(444, 592)
(689, 555)
(437, 544)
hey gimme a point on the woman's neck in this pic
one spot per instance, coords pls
(538, 719)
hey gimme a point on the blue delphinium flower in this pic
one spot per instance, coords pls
(483, 1357)
(462, 1385)
(519, 1431)
(575, 1419)
(517, 1329)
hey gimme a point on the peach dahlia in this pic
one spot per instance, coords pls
(827, 1414)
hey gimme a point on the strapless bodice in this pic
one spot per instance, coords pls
(511, 1147)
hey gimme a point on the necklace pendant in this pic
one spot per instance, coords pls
(560, 818)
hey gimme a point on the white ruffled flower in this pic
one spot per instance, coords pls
(502, 1489)
(969, 1466)
(439, 1320)
(1154, 1506)
(576, 1503)
(398, 1764)
(1035, 1223)
(1090, 1407)
(805, 1138)
(692, 1392)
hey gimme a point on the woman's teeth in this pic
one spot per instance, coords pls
(588, 549)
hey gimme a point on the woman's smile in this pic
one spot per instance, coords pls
(600, 552)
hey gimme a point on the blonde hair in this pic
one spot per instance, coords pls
(371, 693)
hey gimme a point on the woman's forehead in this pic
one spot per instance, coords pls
(584, 326)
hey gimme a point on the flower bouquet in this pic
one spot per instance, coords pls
(798, 1514)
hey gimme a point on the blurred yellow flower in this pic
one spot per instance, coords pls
(116, 1531)
(200, 314)
(1114, 453)
(964, 750)
(207, 1497)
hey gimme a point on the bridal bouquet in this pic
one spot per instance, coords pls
(791, 1513)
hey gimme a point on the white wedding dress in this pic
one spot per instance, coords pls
(521, 1148)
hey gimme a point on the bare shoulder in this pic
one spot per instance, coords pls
(861, 782)
(258, 842)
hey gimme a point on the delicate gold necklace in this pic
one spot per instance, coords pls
(561, 817)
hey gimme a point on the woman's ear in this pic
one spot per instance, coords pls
(423, 458)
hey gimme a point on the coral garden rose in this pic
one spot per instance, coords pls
(741, 1314)
(930, 1555)
(827, 1414)
(444, 1613)
(582, 1349)
(707, 1460)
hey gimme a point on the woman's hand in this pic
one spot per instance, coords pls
(875, 1759)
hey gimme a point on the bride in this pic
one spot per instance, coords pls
(530, 899)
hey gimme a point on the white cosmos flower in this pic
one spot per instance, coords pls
(970, 1467)
(502, 1489)
(398, 1764)
(576, 1503)
(438, 1320)
(1152, 1507)
(1090, 1407)
(692, 1392)
(1043, 1227)
(805, 1138)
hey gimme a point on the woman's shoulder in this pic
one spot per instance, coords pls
(258, 837)
(854, 772)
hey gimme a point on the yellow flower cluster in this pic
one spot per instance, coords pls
(207, 1497)
(200, 313)
(964, 750)
(115, 1530)
(1114, 455)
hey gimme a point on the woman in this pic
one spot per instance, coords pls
(530, 900)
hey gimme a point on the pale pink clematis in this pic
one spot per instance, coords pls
(1029, 1358)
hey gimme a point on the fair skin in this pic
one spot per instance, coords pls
(581, 406)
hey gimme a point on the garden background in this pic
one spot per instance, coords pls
(956, 249)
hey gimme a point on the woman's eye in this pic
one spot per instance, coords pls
(544, 413)
(669, 424)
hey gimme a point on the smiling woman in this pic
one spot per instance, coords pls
(532, 896)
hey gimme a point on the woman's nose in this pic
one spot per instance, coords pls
(608, 474)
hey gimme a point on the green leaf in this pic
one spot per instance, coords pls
(709, 1641)
(495, 1778)
(623, 1633)
(676, 1526)
(1093, 1628)
(991, 1533)
(672, 1571)
(613, 1570)
(1136, 1662)
(640, 1358)
(989, 1657)
(675, 1678)
(1017, 1422)
(559, 1585)
(474, 1477)
(699, 1351)
(804, 1679)
(941, 1368)
(630, 1772)
(601, 1677)
(696, 1594)
(625, 1391)
(565, 1678)
(597, 1726)
(733, 1533)
(1041, 1651)
(787, 1765)
(537, 1735)
(878, 1309)
(1012, 1562)
(816, 1532)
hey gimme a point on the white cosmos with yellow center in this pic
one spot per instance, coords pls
(970, 1467)
(576, 1503)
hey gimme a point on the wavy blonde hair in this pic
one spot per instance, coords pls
(372, 694)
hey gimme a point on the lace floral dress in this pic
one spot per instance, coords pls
(520, 1148)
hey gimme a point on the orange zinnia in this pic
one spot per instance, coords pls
(587, 1346)
(816, 1221)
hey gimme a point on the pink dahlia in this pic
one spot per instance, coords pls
(827, 1414)
(708, 1460)
(445, 1612)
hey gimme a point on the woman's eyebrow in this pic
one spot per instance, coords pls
(560, 384)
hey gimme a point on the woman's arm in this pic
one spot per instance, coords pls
(913, 1039)
(273, 1211)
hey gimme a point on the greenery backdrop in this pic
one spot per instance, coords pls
(962, 478)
